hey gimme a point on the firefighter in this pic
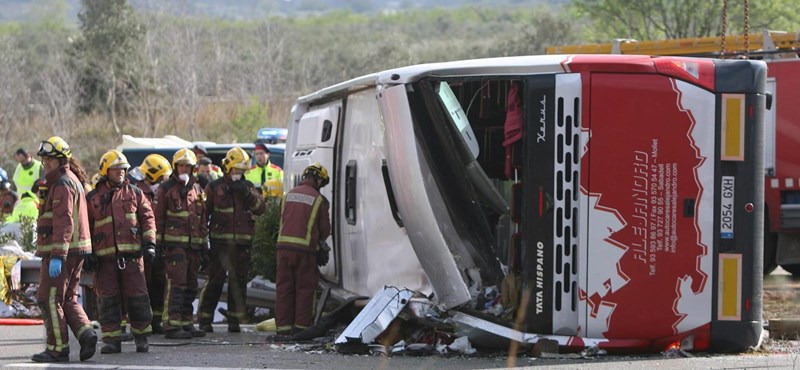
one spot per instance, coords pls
(214, 171)
(233, 202)
(183, 233)
(272, 191)
(263, 170)
(27, 172)
(305, 224)
(62, 241)
(8, 198)
(154, 170)
(123, 237)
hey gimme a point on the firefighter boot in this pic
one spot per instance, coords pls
(126, 336)
(88, 342)
(194, 331)
(156, 325)
(233, 325)
(141, 343)
(48, 356)
(111, 346)
(205, 325)
(178, 333)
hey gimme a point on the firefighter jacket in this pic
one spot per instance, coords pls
(7, 200)
(304, 219)
(181, 214)
(121, 220)
(232, 215)
(63, 225)
(259, 175)
(148, 193)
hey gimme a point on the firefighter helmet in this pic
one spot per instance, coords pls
(236, 158)
(54, 147)
(272, 188)
(184, 155)
(113, 159)
(317, 170)
(155, 167)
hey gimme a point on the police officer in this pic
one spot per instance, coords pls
(27, 171)
(304, 224)
(62, 241)
(232, 204)
(154, 170)
(123, 234)
(183, 232)
(263, 170)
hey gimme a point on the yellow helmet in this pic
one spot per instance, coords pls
(317, 170)
(155, 167)
(54, 147)
(272, 188)
(113, 159)
(184, 155)
(236, 158)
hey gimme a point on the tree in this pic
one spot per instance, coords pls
(669, 19)
(110, 50)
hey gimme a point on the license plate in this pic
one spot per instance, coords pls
(726, 209)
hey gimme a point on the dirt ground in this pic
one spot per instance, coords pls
(781, 297)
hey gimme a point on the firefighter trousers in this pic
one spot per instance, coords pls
(57, 298)
(156, 282)
(121, 288)
(296, 281)
(226, 259)
(181, 264)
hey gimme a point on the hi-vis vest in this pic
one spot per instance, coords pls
(260, 175)
(24, 178)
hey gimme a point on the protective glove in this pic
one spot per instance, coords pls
(323, 254)
(240, 187)
(203, 260)
(148, 252)
(55, 267)
(91, 263)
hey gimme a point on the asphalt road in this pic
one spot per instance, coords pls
(249, 350)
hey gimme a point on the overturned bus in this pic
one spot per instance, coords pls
(613, 200)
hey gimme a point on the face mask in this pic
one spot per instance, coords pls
(184, 177)
(236, 177)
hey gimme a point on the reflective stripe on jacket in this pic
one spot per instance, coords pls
(232, 216)
(181, 213)
(304, 218)
(63, 225)
(121, 219)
